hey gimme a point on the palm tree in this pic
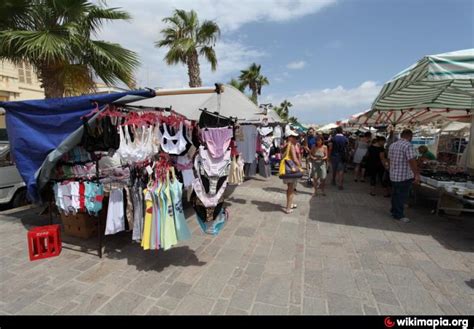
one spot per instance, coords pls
(284, 110)
(293, 120)
(187, 39)
(254, 80)
(55, 37)
(237, 84)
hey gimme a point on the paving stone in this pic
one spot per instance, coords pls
(235, 311)
(340, 304)
(279, 267)
(158, 311)
(167, 302)
(178, 290)
(295, 310)
(37, 309)
(195, 305)
(274, 289)
(228, 291)
(416, 300)
(122, 304)
(144, 307)
(314, 306)
(267, 309)
(385, 297)
(64, 294)
(220, 307)
(89, 304)
(160, 290)
(391, 310)
(213, 281)
(368, 310)
(245, 231)
(242, 299)
(255, 269)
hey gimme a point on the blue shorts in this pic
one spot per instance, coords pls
(337, 164)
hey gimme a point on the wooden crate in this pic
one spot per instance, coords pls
(83, 225)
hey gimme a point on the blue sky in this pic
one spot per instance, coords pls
(328, 57)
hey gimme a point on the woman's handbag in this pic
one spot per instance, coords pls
(288, 168)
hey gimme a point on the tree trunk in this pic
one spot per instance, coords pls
(50, 81)
(194, 71)
(254, 94)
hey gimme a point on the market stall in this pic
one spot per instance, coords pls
(438, 87)
(111, 166)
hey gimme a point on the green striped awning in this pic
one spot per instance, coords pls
(436, 81)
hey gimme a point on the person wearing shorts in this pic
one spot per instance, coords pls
(291, 182)
(318, 157)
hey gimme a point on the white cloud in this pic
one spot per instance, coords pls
(143, 30)
(331, 104)
(298, 65)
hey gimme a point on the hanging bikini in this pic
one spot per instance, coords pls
(177, 144)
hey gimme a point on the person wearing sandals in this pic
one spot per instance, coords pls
(291, 182)
(318, 157)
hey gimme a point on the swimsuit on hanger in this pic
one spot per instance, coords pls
(217, 140)
(207, 214)
(208, 200)
(176, 144)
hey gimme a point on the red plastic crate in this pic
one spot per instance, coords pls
(44, 242)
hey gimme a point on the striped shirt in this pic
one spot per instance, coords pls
(400, 153)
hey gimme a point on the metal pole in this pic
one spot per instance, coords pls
(99, 231)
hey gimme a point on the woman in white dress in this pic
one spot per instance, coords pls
(361, 150)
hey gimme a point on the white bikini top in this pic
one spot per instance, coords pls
(176, 144)
(140, 149)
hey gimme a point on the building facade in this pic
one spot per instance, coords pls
(19, 82)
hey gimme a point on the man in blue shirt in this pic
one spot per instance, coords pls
(338, 153)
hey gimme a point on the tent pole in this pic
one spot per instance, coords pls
(99, 230)
(190, 91)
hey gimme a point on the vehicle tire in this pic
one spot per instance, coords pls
(19, 199)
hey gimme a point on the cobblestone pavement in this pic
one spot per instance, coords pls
(339, 254)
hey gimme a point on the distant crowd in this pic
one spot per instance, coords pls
(386, 162)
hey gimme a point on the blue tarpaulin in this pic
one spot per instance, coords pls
(37, 127)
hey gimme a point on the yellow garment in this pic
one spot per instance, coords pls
(148, 219)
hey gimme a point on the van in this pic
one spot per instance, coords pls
(12, 186)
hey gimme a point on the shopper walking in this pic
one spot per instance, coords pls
(403, 173)
(362, 147)
(318, 157)
(338, 153)
(376, 163)
(291, 148)
(308, 145)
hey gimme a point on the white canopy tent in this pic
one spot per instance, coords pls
(230, 102)
(328, 127)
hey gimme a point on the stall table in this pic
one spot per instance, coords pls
(456, 203)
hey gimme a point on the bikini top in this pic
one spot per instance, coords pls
(178, 144)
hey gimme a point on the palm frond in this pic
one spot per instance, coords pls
(97, 16)
(210, 54)
(175, 55)
(14, 14)
(112, 63)
(208, 33)
(37, 45)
